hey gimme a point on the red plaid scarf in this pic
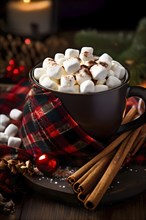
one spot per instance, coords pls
(48, 128)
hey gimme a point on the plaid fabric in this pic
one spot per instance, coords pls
(48, 128)
(15, 97)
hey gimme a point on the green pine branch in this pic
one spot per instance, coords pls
(127, 48)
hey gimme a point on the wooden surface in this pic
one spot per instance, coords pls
(36, 207)
(40, 209)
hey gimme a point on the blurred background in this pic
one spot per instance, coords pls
(31, 30)
(100, 14)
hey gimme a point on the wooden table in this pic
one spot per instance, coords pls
(34, 207)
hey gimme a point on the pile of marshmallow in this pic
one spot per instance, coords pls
(9, 128)
(80, 72)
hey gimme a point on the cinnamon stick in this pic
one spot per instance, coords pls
(139, 141)
(143, 131)
(81, 171)
(94, 176)
(82, 178)
(130, 115)
(83, 197)
(91, 172)
(94, 198)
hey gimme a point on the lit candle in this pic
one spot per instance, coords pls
(29, 18)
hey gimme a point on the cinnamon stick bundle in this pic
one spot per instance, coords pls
(84, 176)
(81, 171)
(92, 180)
(94, 198)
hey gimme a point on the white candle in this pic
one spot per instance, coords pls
(30, 18)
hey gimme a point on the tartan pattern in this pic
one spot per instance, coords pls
(15, 97)
(48, 128)
(14, 153)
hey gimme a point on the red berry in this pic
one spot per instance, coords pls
(46, 163)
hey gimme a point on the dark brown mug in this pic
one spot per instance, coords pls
(100, 113)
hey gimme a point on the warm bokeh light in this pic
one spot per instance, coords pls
(11, 62)
(16, 71)
(143, 84)
(9, 68)
(27, 41)
(26, 1)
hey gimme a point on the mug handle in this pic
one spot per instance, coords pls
(141, 93)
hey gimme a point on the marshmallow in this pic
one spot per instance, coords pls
(60, 61)
(11, 130)
(87, 86)
(47, 61)
(71, 65)
(84, 74)
(38, 72)
(14, 141)
(86, 54)
(4, 120)
(105, 60)
(15, 114)
(71, 53)
(118, 69)
(110, 73)
(3, 138)
(2, 127)
(100, 88)
(113, 82)
(58, 56)
(100, 82)
(68, 89)
(67, 80)
(87, 49)
(55, 71)
(48, 83)
(42, 78)
(98, 72)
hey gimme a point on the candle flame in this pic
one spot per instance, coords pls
(26, 1)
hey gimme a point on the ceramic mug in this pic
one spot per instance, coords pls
(100, 113)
